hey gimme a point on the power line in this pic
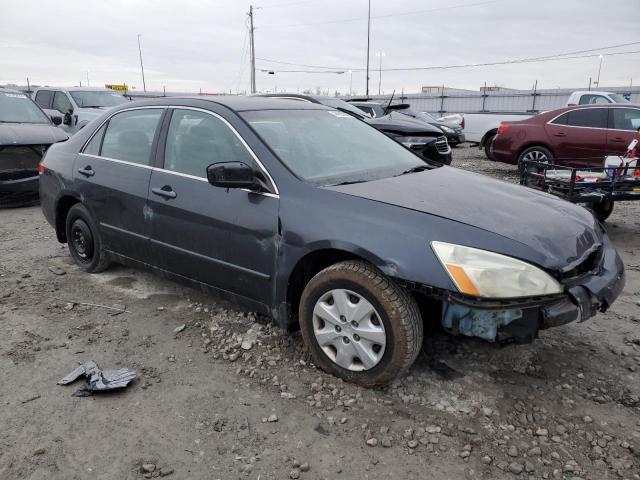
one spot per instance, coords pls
(362, 19)
(522, 60)
(468, 65)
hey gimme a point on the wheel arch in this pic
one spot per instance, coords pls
(487, 136)
(534, 144)
(63, 205)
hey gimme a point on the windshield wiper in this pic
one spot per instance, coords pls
(351, 182)
(419, 168)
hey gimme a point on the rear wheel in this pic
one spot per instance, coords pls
(534, 154)
(360, 325)
(83, 238)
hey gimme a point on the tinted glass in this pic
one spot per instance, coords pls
(328, 147)
(196, 140)
(18, 108)
(561, 120)
(625, 118)
(61, 102)
(43, 98)
(130, 134)
(589, 117)
(97, 98)
(93, 147)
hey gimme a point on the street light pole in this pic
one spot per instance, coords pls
(368, 43)
(599, 69)
(351, 83)
(380, 54)
(144, 84)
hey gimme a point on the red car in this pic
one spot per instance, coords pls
(579, 136)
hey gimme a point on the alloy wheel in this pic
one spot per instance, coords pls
(349, 330)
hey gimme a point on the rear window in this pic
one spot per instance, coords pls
(130, 134)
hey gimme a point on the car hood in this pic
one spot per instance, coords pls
(561, 234)
(402, 124)
(30, 134)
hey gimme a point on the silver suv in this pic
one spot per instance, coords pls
(77, 105)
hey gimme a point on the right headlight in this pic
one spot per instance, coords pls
(414, 141)
(487, 274)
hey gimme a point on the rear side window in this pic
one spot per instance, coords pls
(561, 120)
(625, 118)
(593, 100)
(588, 117)
(61, 102)
(93, 147)
(130, 134)
(196, 140)
(43, 98)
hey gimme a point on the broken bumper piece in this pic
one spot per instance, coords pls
(510, 321)
(98, 380)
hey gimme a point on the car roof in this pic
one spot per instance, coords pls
(236, 103)
(10, 90)
(75, 89)
(356, 102)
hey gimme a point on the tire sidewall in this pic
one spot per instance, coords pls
(544, 150)
(80, 212)
(319, 287)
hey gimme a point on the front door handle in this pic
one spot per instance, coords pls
(618, 140)
(560, 134)
(86, 171)
(165, 192)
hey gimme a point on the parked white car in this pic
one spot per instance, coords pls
(591, 97)
(77, 105)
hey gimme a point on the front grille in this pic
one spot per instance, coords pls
(441, 145)
(588, 265)
(20, 158)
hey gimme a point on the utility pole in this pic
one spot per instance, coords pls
(88, 84)
(599, 69)
(380, 54)
(368, 43)
(144, 85)
(252, 50)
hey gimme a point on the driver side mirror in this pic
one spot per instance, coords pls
(56, 119)
(232, 175)
(67, 118)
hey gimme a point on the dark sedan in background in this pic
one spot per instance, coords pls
(424, 139)
(303, 212)
(454, 135)
(580, 136)
(25, 134)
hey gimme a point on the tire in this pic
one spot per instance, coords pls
(395, 314)
(602, 210)
(487, 147)
(536, 153)
(83, 238)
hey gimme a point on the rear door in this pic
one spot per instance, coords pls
(623, 127)
(225, 238)
(579, 136)
(112, 174)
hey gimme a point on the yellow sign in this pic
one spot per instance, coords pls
(118, 88)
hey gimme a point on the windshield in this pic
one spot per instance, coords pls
(426, 117)
(18, 108)
(328, 147)
(337, 103)
(617, 98)
(89, 98)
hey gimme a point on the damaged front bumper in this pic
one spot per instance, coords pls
(519, 320)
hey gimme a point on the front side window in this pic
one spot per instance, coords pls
(625, 118)
(130, 134)
(328, 147)
(196, 140)
(43, 98)
(588, 117)
(18, 108)
(61, 103)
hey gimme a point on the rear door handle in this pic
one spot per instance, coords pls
(86, 171)
(618, 140)
(165, 192)
(560, 134)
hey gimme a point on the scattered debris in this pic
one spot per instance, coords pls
(179, 328)
(56, 270)
(98, 380)
(30, 399)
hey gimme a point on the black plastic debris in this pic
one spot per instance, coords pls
(98, 380)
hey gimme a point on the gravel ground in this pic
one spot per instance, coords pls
(223, 394)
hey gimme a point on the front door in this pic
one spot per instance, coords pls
(112, 174)
(225, 238)
(62, 106)
(623, 129)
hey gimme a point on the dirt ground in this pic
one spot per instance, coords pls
(232, 397)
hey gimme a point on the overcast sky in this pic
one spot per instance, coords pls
(194, 45)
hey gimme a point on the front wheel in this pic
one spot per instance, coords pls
(83, 238)
(359, 324)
